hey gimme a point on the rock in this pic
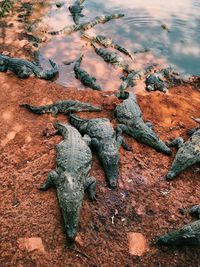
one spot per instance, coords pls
(30, 244)
(137, 244)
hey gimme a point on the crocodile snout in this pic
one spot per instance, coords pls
(113, 184)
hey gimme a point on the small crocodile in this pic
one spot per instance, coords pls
(112, 58)
(71, 177)
(106, 42)
(105, 141)
(131, 122)
(132, 77)
(188, 235)
(155, 82)
(63, 106)
(188, 153)
(85, 77)
(24, 68)
(76, 10)
(88, 25)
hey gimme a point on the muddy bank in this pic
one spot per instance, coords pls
(143, 202)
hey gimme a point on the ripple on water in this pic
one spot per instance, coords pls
(141, 27)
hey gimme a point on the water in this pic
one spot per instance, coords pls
(140, 28)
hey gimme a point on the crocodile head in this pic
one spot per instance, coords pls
(110, 161)
(70, 199)
(71, 214)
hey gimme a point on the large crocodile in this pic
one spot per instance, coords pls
(88, 25)
(131, 122)
(106, 142)
(188, 153)
(76, 10)
(84, 76)
(112, 58)
(63, 106)
(188, 235)
(71, 177)
(106, 42)
(24, 68)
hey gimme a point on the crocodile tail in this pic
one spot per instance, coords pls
(37, 110)
(123, 50)
(77, 121)
(67, 30)
(78, 61)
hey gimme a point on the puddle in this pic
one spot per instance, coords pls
(140, 28)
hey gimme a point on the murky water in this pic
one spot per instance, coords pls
(140, 28)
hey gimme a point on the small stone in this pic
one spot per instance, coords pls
(30, 244)
(137, 244)
(15, 202)
(79, 240)
(6, 53)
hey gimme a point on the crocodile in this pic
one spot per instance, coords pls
(63, 106)
(106, 42)
(85, 77)
(188, 153)
(132, 77)
(24, 68)
(76, 10)
(162, 79)
(71, 177)
(105, 141)
(87, 25)
(188, 235)
(112, 58)
(131, 122)
(154, 81)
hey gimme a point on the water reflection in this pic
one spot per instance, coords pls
(141, 27)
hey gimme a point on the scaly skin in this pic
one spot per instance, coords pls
(71, 177)
(24, 68)
(85, 77)
(188, 153)
(112, 58)
(188, 235)
(106, 142)
(88, 25)
(106, 42)
(131, 122)
(63, 106)
(76, 10)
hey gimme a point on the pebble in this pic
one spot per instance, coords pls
(137, 244)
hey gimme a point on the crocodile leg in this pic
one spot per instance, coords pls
(24, 73)
(90, 186)
(50, 182)
(87, 139)
(193, 130)
(177, 142)
(195, 210)
(3, 68)
(149, 124)
(120, 139)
